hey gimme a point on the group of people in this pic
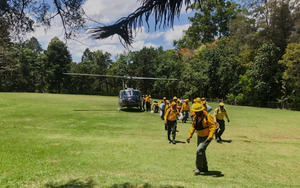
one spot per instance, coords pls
(203, 123)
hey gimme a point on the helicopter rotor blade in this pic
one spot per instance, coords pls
(150, 78)
(95, 75)
(122, 77)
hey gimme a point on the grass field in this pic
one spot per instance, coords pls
(49, 140)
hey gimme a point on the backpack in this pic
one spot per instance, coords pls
(199, 126)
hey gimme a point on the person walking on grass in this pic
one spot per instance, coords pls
(162, 107)
(148, 104)
(204, 125)
(171, 121)
(219, 114)
(185, 110)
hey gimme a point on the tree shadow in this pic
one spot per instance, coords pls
(131, 110)
(95, 110)
(215, 174)
(76, 183)
(146, 185)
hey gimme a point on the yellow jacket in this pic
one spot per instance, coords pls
(147, 99)
(171, 114)
(185, 107)
(167, 106)
(160, 102)
(218, 114)
(208, 124)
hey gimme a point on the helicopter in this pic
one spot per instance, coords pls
(128, 97)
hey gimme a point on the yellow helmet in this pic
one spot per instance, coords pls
(221, 104)
(164, 98)
(203, 99)
(186, 100)
(198, 100)
(175, 98)
(198, 108)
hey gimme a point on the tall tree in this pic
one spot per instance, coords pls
(8, 63)
(210, 22)
(58, 62)
(265, 75)
(34, 45)
(291, 76)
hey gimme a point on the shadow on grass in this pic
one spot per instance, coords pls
(179, 142)
(227, 141)
(146, 185)
(94, 110)
(215, 174)
(91, 184)
(73, 184)
(131, 110)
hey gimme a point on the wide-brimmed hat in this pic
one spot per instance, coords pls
(221, 104)
(198, 108)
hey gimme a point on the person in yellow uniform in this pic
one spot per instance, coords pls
(185, 110)
(196, 101)
(205, 126)
(219, 114)
(171, 120)
(147, 101)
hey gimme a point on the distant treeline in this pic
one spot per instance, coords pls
(246, 58)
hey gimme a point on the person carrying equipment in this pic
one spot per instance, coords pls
(162, 107)
(171, 121)
(219, 114)
(154, 107)
(185, 110)
(204, 124)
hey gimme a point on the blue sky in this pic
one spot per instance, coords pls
(107, 12)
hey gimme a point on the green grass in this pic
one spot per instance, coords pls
(49, 140)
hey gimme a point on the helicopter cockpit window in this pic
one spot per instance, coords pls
(136, 93)
(127, 93)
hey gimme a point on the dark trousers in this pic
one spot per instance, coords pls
(162, 114)
(148, 106)
(185, 116)
(220, 130)
(171, 127)
(201, 162)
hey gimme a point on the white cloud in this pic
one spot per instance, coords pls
(107, 11)
(175, 33)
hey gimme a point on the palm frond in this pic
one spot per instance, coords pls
(164, 12)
